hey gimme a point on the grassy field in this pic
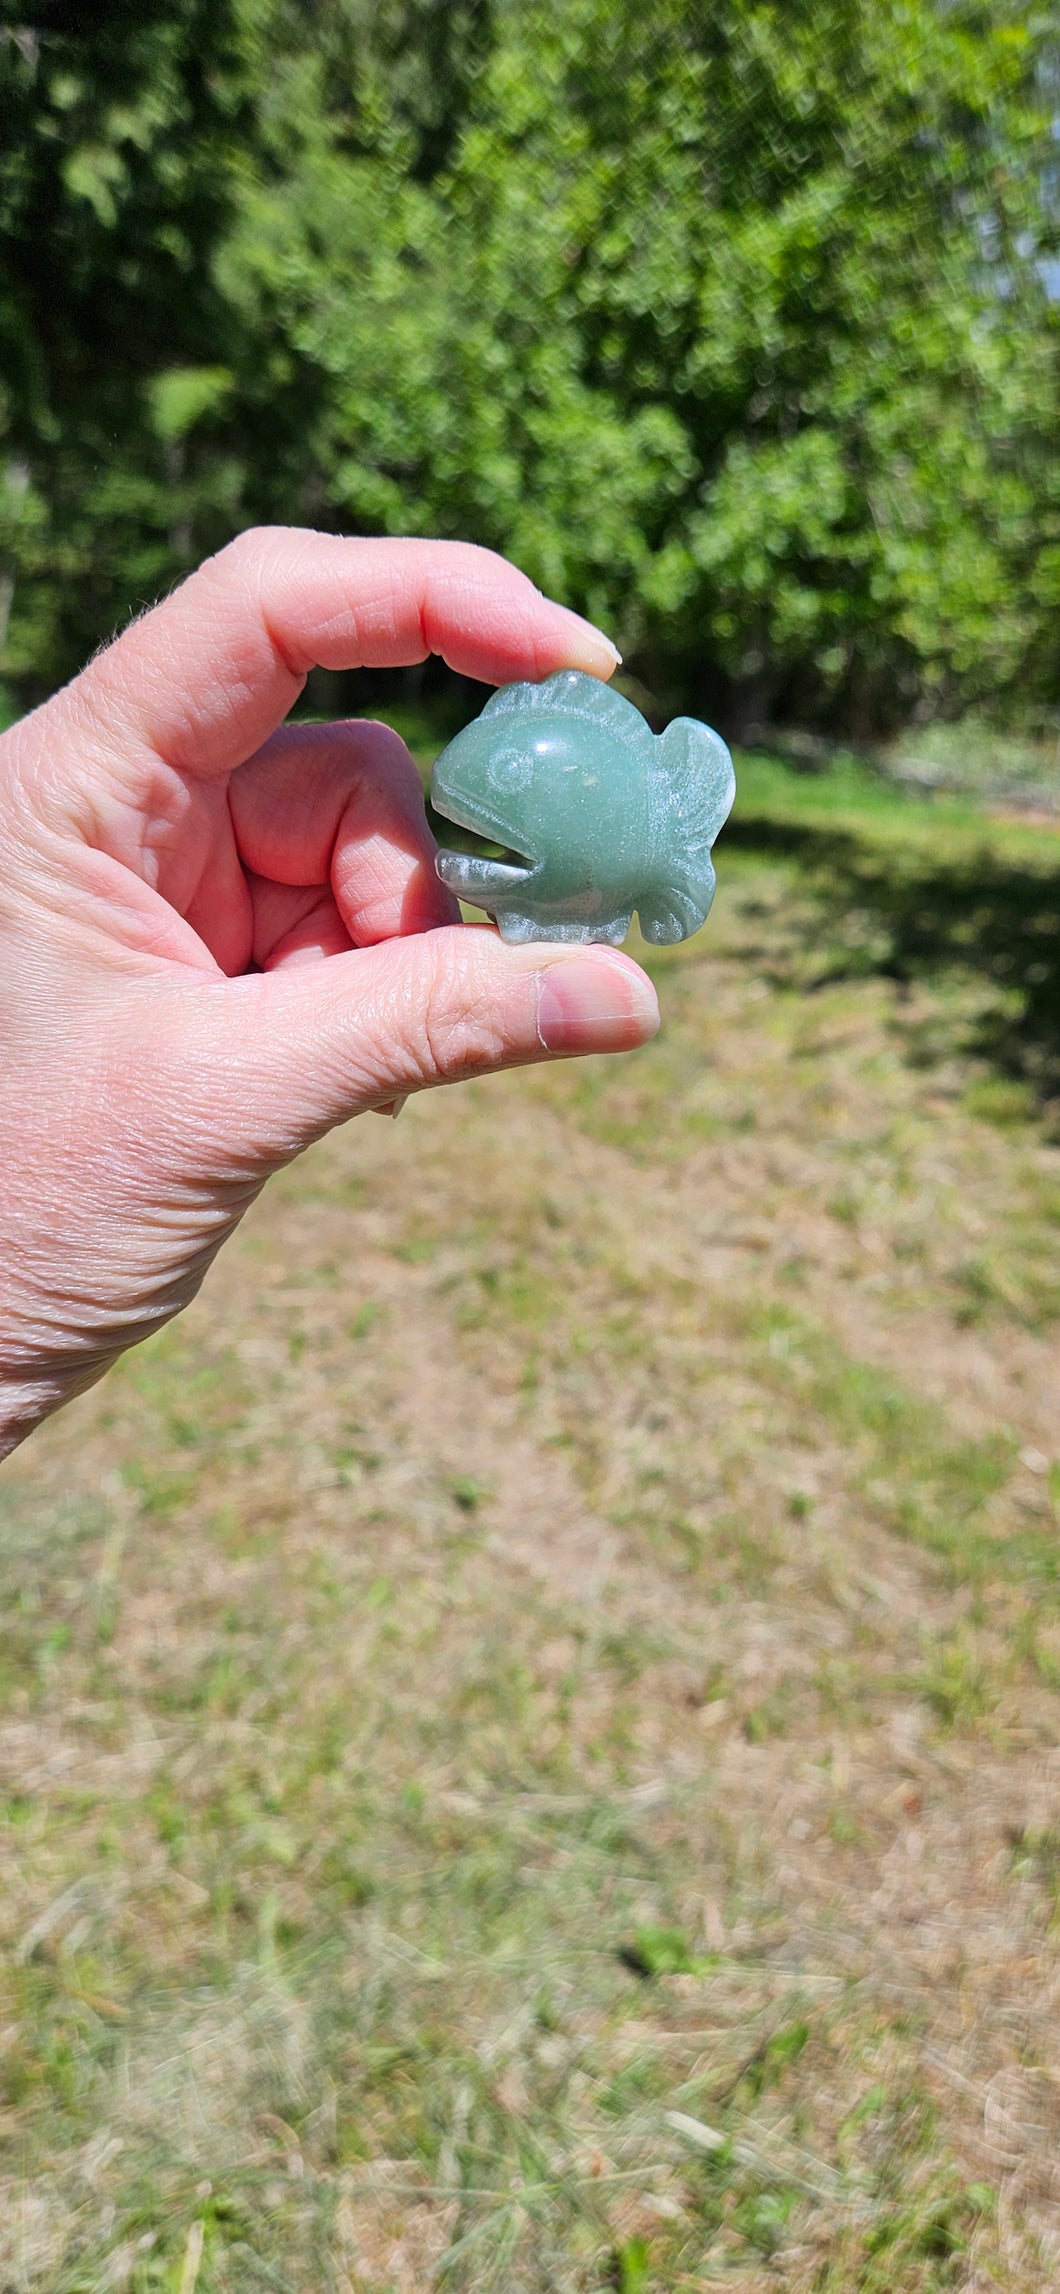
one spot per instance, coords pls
(530, 1753)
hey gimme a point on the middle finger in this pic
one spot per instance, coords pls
(342, 804)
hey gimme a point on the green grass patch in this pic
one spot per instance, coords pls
(476, 1691)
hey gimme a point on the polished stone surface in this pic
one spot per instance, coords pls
(596, 814)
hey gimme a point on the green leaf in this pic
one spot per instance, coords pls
(180, 398)
(654, 1951)
(630, 2267)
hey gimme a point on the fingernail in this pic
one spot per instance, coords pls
(598, 1001)
(606, 656)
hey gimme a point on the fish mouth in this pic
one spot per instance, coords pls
(477, 875)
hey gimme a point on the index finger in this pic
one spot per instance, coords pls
(202, 679)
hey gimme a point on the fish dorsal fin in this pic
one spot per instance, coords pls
(570, 693)
(701, 782)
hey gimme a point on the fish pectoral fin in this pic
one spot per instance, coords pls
(675, 913)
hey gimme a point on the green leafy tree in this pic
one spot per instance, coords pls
(728, 324)
(115, 345)
(725, 323)
(152, 399)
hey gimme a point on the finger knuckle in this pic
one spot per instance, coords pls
(377, 753)
(249, 551)
(457, 1026)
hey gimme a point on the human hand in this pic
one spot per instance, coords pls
(156, 843)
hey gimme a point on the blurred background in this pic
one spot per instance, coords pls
(731, 324)
(530, 1717)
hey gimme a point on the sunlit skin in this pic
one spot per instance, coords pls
(218, 939)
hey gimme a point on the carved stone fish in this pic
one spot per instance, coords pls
(598, 815)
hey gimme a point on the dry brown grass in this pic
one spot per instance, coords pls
(560, 1648)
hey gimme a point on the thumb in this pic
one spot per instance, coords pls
(280, 1057)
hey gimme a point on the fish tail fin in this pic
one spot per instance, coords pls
(699, 788)
(701, 781)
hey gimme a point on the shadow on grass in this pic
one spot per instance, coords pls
(901, 913)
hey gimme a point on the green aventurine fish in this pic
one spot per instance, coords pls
(598, 815)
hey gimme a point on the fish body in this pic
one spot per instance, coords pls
(599, 815)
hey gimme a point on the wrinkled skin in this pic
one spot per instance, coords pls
(218, 939)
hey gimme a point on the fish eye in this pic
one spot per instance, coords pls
(511, 770)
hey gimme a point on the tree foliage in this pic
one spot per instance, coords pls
(727, 322)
